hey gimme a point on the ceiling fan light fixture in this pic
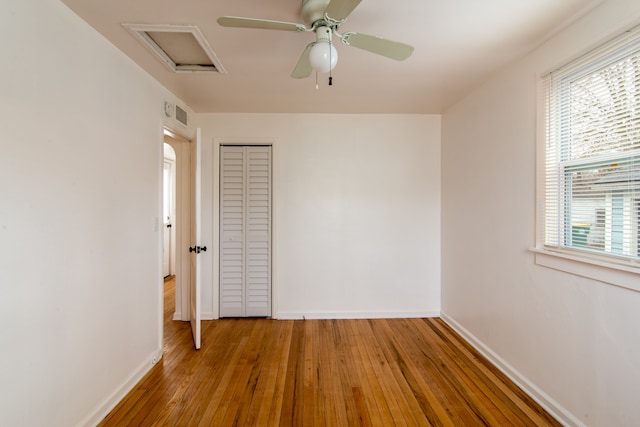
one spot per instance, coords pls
(323, 56)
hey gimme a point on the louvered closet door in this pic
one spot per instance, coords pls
(245, 231)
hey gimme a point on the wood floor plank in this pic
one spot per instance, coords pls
(378, 404)
(460, 379)
(270, 406)
(412, 409)
(513, 397)
(356, 413)
(380, 372)
(367, 405)
(427, 363)
(332, 387)
(291, 414)
(431, 398)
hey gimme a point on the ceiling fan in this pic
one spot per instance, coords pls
(324, 17)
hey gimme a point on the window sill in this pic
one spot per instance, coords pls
(625, 276)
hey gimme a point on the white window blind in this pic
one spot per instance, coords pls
(592, 152)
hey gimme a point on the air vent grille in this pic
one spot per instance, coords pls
(181, 115)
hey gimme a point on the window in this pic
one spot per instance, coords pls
(591, 191)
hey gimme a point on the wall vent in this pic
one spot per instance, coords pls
(181, 115)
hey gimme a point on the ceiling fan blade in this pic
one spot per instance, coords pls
(389, 48)
(303, 68)
(341, 9)
(263, 24)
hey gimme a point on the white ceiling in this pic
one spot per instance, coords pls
(458, 43)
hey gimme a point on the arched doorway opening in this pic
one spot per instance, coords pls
(177, 157)
(168, 211)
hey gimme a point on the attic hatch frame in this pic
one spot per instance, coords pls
(141, 33)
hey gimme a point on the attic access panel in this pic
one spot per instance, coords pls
(181, 48)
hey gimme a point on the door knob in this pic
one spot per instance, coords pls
(198, 249)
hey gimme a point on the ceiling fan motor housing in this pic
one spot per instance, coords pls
(313, 10)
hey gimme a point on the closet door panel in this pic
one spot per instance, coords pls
(232, 218)
(258, 225)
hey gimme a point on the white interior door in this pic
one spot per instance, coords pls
(245, 231)
(167, 199)
(198, 247)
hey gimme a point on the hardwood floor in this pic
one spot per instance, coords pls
(383, 372)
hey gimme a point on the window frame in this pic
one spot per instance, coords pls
(595, 264)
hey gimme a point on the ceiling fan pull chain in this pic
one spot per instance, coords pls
(316, 80)
(330, 69)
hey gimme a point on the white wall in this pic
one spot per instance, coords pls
(571, 341)
(356, 216)
(79, 196)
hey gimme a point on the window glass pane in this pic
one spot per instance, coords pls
(603, 111)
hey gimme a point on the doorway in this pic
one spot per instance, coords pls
(168, 212)
(179, 219)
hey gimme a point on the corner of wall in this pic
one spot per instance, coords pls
(547, 402)
(120, 392)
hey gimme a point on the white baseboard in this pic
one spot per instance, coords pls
(208, 315)
(354, 315)
(112, 400)
(550, 405)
